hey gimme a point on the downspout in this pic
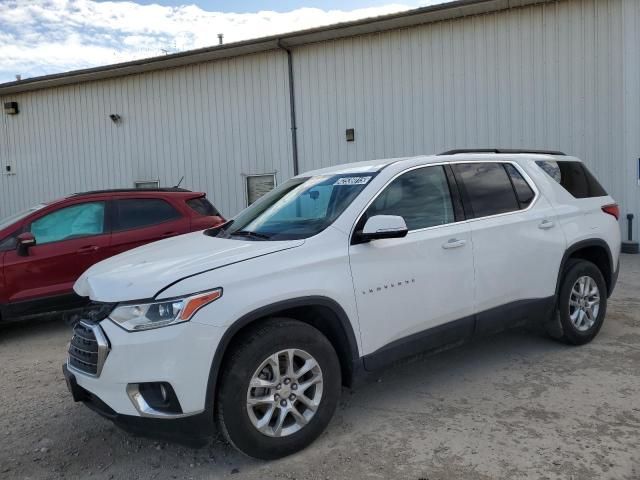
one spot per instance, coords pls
(292, 108)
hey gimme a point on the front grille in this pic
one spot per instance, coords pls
(93, 312)
(88, 348)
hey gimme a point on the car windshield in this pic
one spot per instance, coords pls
(10, 220)
(299, 208)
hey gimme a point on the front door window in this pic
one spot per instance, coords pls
(76, 221)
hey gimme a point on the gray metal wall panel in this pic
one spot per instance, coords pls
(564, 76)
(212, 123)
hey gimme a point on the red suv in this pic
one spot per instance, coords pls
(44, 250)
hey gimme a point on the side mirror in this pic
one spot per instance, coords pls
(26, 240)
(384, 226)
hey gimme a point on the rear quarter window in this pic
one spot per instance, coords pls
(574, 177)
(203, 206)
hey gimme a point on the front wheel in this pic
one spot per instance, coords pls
(582, 303)
(280, 387)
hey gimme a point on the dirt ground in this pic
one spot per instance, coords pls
(514, 406)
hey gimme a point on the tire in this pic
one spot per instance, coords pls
(252, 358)
(571, 325)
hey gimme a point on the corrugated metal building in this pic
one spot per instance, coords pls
(560, 74)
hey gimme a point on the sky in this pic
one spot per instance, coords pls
(41, 37)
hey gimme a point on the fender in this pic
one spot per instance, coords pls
(267, 310)
(592, 242)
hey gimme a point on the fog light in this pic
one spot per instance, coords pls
(154, 399)
(163, 393)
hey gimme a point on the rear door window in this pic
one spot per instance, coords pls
(574, 177)
(488, 189)
(143, 212)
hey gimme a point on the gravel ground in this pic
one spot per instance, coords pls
(514, 406)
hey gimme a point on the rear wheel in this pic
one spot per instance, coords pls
(582, 303)
(279, 389)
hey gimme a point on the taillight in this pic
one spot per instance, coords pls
(612, 209)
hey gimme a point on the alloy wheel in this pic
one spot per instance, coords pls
(584, 303)
(284, 393)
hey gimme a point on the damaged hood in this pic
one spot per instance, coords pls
(141, 273)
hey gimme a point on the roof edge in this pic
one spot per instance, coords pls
(430, 14)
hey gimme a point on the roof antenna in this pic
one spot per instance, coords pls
(179, 183)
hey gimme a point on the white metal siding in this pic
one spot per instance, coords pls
(563, 76)
(211, 122)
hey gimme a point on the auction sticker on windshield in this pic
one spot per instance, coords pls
(353, 181)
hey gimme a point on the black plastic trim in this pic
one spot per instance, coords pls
(614, 279)
(458, 332)
(502, 150)
(150, 391)
(514, 314)
(451, 333)
(455, 194)
(464, 195)
(194, 430)
(266, 311)
(593, 242)
(133, 190)
(367, 237)
(513, 187)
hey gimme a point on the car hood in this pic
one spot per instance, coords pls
(141, 273)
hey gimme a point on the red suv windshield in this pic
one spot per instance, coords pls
(10, 220)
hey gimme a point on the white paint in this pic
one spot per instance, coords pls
(150, 268)
(389, 289)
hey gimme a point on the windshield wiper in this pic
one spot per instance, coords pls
(250, 234)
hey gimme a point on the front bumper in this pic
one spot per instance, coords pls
(180, 355)
(193, 430)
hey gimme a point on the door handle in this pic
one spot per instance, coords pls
(88, 249)
(454, 243)
(546, 225)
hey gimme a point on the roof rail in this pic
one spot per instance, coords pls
(128, 190)
(500, 150)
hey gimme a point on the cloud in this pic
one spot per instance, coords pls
(39, 37)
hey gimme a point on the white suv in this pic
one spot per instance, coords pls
(257, 324)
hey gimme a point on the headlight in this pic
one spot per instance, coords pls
(145, 316)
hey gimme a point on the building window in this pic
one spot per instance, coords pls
(146, 184)
(258, 185)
